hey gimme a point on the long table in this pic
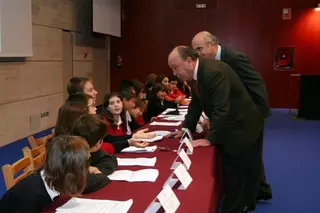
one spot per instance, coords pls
(202, 195)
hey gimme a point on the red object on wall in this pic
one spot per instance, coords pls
(153, 28)
(283, 60)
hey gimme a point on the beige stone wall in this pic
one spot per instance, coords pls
(38, 85)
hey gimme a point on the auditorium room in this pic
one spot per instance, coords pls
(186, 106)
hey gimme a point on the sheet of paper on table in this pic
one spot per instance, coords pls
(175, 118)
(133, 149)
(157, 138)
(156, 123)
(168, 110)
(144, 175)
(161, 132)
(183, 110)
(81, 205)
(137, 161)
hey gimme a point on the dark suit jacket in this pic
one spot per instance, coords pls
(251, 79)
(235, 120)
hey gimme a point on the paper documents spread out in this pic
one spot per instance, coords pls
(137, 161)
(81, 205)
(133, 149)
(155, 123)
(144, 175)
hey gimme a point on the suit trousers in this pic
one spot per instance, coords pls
(264, 187)
(240, 176)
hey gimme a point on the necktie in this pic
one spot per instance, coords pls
(195, 86)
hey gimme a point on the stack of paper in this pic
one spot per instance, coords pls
(155, 123)
(137, 161)
(81, 205)
(148, 175)
(133, 149)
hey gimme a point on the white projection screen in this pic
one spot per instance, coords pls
(106, 17)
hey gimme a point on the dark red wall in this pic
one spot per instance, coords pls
(152, 28)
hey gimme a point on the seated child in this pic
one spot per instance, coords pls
(64, 171)
(93, 129)
(116, 119)
(158, 104)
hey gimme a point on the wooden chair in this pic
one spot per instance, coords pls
(10, 171)
(34, 143)
(37, 155)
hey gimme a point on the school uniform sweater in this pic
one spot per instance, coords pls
(29, 195)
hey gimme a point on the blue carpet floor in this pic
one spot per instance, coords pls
(292, 162)
(291, 157)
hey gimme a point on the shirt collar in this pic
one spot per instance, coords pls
(128, 116)
(218, 55)
(196, 70)
(52, 193)
(119, 121)
(129, 119)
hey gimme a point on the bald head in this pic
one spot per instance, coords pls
(174, 54)
(205, 44)
(205, 37)
(183, 52)
(182, 60)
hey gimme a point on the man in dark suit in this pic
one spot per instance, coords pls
(236, 122)
(208, 46)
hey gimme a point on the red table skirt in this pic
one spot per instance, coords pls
(202, 195)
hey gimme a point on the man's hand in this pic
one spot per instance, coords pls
(139, 144)
(142, 134)
(176, 134)
(205, 124)
(201, 142)
(94, 170)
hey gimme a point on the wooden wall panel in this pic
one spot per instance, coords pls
(67, 61)
(100, 76)
(21, 81)
(16, 117)
(82, 68)
(82, 53)
(47, 44)
(38, 85)
(54, 13)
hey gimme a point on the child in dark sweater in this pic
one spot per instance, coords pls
(157, 104)
(64, 172)
(93, 129)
